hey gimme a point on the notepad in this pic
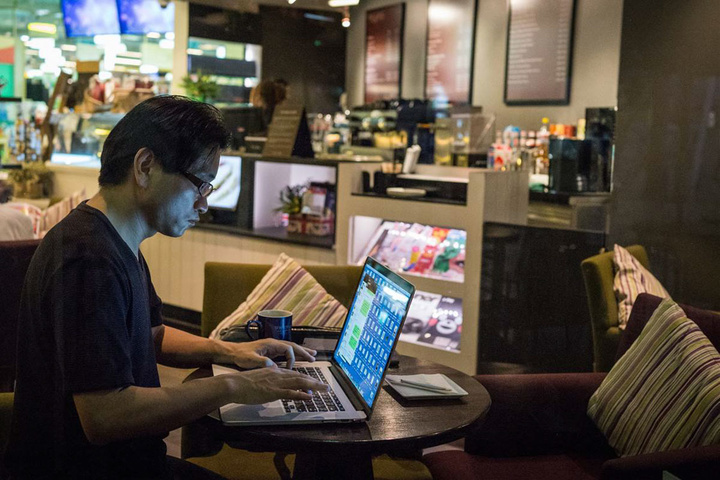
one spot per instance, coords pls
(411, 392)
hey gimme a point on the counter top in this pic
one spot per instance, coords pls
(327, 160)
(564, 198)
(278, 234)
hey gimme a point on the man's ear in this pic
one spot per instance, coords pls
(142, 164)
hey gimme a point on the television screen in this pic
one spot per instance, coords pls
(227, 184)
(85, 18)
(143, 16)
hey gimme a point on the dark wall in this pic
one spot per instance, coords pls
(667, 160)
(309, 54)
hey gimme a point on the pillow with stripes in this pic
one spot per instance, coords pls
(632, 279)
(287, 286)
(664, 393)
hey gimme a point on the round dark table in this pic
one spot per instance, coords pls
(344, 450)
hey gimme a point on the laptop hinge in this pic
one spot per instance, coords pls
(349, 389)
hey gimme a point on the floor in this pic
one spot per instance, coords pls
(174, 376)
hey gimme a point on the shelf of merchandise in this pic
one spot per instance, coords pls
(491, 196)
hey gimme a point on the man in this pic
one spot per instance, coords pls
(88, 402)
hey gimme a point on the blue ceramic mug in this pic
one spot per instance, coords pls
(272, 324)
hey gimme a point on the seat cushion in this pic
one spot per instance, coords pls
(664, 393)
(631, 279)
(458, 465)
(288, 286)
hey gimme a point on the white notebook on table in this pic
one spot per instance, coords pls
(422, 388)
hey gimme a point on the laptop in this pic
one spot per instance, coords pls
(357, 367)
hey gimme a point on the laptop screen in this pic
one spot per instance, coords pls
(372, 326)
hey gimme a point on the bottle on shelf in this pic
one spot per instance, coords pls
(543, 142)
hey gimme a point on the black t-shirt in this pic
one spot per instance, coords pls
(86, 313)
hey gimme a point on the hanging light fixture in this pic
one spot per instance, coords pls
(343, 3)
(346, 18)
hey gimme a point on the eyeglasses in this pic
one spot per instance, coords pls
(204, 188)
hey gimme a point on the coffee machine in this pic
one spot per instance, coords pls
(584, 165)
(600, 132)
(570, 166)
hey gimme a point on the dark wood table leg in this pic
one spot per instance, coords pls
(345, 465)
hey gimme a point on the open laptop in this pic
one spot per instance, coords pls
(357, 368)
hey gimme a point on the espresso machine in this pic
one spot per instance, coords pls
(365, 120)
(584, 165)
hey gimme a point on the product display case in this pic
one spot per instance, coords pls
(436, 245)
(434, 321)
(79, 137)
(419, 250)
(19, 134)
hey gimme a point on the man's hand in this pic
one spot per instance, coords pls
(268, 384)
(261, 352)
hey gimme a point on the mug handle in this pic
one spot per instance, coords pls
(259, 326)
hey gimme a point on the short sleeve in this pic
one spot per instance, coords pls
(90, 302)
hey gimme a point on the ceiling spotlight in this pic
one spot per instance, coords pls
(346, 17)
(342, 3)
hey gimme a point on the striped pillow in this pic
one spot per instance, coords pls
(631, 279)
(288, 286)
(664, 393)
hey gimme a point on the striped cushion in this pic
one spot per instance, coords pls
(288, 286)
(664, 393)
(631, 279)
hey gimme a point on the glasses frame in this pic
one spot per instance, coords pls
(204, 188)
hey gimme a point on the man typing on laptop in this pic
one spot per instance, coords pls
(88, 401)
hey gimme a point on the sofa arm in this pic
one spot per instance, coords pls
(687, 463)
(538, 414)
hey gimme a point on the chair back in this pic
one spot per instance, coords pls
(228, 284)
(6, 408)
(599, 274)
(15, 258)
(644, 307)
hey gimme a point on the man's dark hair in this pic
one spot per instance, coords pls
(176, 129)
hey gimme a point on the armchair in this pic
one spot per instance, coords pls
(6, 407)
(538, 428)
(598, 275)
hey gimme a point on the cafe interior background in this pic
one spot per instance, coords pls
(617, 145)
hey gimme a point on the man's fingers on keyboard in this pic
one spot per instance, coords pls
(296, 395)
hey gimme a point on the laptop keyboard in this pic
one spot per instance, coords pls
(320, 402)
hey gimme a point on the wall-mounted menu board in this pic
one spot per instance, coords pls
(383, 52)
(539, 53)
(450, 41)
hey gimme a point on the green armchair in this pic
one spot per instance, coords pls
(227, 284)
(6, 408)
(598, 274)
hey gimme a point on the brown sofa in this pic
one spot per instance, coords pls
(537, 427)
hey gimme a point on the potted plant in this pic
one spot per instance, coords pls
(291, 203)
(33, 180)
(199, 86)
